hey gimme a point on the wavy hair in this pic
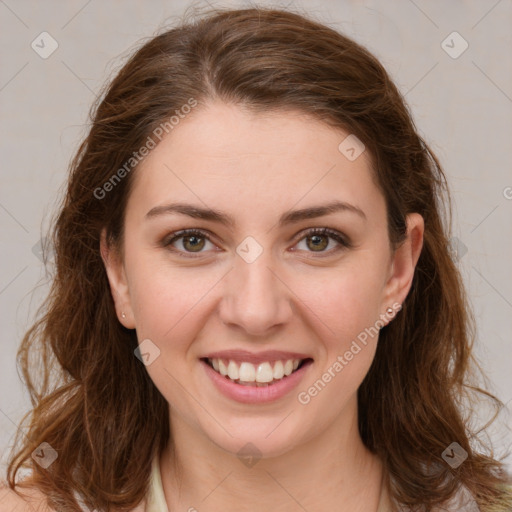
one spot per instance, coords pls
(94, 402)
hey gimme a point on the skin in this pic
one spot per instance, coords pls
(255, 167)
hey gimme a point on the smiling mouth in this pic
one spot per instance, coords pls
(261, 375)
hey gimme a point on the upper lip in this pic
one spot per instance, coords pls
(256, 358)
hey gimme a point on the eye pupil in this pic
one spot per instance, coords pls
(194, 244)
(318, 238)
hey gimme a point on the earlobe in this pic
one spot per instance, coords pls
(404, 261)
(118, 283)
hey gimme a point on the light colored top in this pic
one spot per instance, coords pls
(155, 501)
(156, 498)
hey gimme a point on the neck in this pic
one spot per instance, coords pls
(334, 468)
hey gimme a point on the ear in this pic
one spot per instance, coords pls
(403, 264)
(118, 283)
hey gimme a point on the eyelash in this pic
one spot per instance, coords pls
(335, 235)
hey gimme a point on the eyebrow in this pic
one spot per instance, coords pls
(290, 217)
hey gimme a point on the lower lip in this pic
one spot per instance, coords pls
(255, 394)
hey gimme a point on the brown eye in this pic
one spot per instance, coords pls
(192, 241)
(319, 242)
(318, 239)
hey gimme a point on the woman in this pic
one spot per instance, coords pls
(254, 305)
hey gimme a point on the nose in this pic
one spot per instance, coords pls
(255, 298)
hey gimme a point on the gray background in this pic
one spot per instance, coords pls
(462, 106)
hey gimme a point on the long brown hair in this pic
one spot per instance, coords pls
(94, 402)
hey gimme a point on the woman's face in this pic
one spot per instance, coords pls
(261, 283)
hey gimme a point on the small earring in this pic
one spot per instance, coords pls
(123, 315)
(389, 311)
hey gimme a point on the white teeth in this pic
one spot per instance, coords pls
(223, 369)
(288, 367)
(247, 372)
(232, 370)
(262, 373)
(279, 370)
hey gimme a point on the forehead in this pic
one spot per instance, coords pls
(227, 157)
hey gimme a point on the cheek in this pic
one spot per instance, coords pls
(165, 299)
(345, 300)
(340, 301)
(345, 312)
(167, 303)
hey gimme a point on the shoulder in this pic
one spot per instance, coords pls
(29, 499)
